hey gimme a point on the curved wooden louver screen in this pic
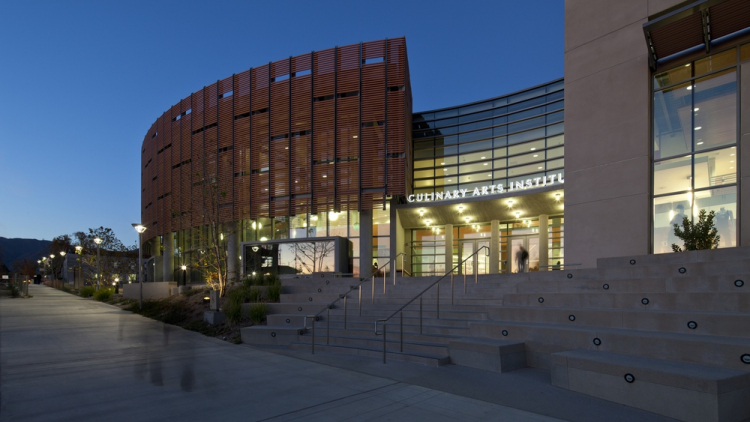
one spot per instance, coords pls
(323, 131)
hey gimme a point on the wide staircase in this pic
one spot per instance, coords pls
(665, 333)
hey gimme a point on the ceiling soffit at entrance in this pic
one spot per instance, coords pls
(483, 209)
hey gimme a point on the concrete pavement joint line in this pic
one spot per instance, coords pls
(329, 402)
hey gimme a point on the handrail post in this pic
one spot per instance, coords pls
(451, 287)
(393, 270)
(328, 325)
(402, 332)
(345, 312)
(383, 341)
(360, 298)
(464, 277)
(372, 299)
(384, 278)
(438, 300)
(313, 336)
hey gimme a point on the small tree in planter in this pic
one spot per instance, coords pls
(699, 235)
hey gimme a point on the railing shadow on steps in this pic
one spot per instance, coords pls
(400, 311)
(344, 295)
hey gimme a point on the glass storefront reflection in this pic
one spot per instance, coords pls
(291, 258)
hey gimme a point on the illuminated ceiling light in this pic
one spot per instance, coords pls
(696, 109)
(557, 196)
(732, 161)
(533, 149)
(255, 225)
(461, 209)
(333, 216)
(442, 164)
(536, 155)
(510, 202)
(355, 137)
(296, 181)
(483, 158)
(421, 212)
(428, 221)
(263, 239)
(489, 175)
(486, 164)
(449, 180)
(286, 147)
(731, 168)
(540, 168)
(690, 87)
(324, 176)
(467, 219)
(445, 169)
(313, 217)
(517, 213)
(687, 65)
(699, 128)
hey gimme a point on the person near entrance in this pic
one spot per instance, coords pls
(521, 256)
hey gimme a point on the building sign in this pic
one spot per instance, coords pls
(537, 182)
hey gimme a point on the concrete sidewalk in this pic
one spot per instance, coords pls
(67, 358)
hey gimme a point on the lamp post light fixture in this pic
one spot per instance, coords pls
(64, 277)
(79, 252)
(184, 268)
(51, 268)
(98, 242)
(140, 228)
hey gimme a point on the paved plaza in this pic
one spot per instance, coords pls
(67, 358)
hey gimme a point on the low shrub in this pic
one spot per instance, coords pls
(233, 306)
(103, 295)
(254, 294)
(271, 279)
(88, 291)
(166, 311)
(273, 292)
(257, 312)
(66, 289)
(14, 290)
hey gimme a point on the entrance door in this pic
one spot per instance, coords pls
(478, 262)
(531, 244)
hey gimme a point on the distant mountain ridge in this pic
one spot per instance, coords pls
(13, 249)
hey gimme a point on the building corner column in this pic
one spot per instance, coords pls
(365, 243)
(543, 242)
(494, 247)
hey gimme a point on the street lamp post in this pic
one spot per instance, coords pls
(62, 254)
(79, 251)
(51, 268)
(140, 228)
(184, 268)
(98, 242)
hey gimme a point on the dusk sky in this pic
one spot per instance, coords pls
(82, 82)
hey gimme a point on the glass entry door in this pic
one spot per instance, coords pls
(531, 244)
(478, 262)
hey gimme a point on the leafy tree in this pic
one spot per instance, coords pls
(699, 235)
(25, 267)
(59, 244)
(114, 257)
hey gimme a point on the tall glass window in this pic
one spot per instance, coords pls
(498, 141)
(695, 147)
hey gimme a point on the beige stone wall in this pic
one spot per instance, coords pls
(607, 147)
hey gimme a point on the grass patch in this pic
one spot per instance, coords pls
(104, 295)
(166, 311)
(274, 292)
(88, 291)
(193, 292)
(202, 327)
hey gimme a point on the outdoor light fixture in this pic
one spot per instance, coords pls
(467, 219)
(98, 241)
(79, 249)
(510, 203)
(460, 209)
(183, 268)
(62, 253)
(557, 196)
(140, 228)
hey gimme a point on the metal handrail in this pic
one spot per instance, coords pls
(344, 297)
(437, 282)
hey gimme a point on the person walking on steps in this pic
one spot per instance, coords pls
(521, 256)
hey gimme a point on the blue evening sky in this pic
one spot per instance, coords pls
(82, 81)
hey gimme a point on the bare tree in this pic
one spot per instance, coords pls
(212, 256)
(312, 255)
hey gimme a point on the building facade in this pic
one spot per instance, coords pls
(321, 164)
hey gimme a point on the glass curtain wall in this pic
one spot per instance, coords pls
(502, 140)
(695, 156)
(428, 244)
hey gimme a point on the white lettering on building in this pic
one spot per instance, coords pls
(537, 182)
